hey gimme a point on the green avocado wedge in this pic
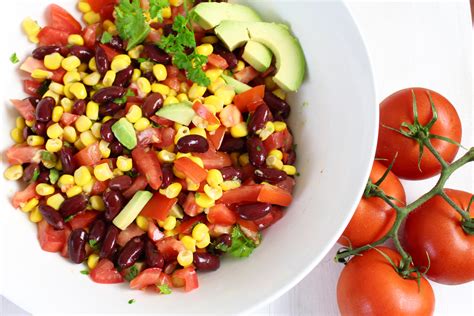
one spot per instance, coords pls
(257, 55)
(130, 212)
(125, 133)
(181, 113)
(238, 86)
(210, 14)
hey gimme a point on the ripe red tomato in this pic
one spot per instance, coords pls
(25, 108)
(397, 109)
(150, 276)
(51, 36)
(221, 215)
(88, 156)
(50, 240)
(21, 153)
(25, 195)
(148, 164)
(60, 19)
(369, 285)
(373, 217)
(105, 273)
(434, 230)
(186, 277)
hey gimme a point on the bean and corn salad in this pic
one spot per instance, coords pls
(114, 179)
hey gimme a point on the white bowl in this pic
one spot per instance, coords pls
(334, 119)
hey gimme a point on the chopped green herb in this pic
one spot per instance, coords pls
(53, 175)
(36, 174)
(259, 148)
(14, 58)
(155, 8)
(94, 245)
(129, 93)
(131, 23)
(298, 174)
(86, 272)
(132, 173)
(164, 289)
(222, 247)
(106, 38)
(242, 246)
(132, 273)
(142, 60)
(121, 100)
(48, 157)
(131, 301)
(44, 86)
(69, 218)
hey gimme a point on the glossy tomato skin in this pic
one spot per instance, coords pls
(398, 108)
(435, 228)
(369, 285)
(373, 217)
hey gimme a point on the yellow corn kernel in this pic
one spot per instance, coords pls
(189, 243)
(172, 190)
(41, 74)
(192, 186)
(230, 184)
(71, 63)
(160, 72)
(178, 174)
(73, 191)
(31, 28)
(134, 113)
(274, 162)
(244, 159)
(102, 172)
(135, 52)
(54, 145)
(198, 131)
(92, 65)
(265, 132)
(35, 140)
(82, 176)
(214, 74)
(29, 123)
(142, 222)
(182, 131)
(280, 93)
(87, 138)
(109, 78)
(142, 124)
(97, 203)
(203, 200)
(279, 126)
(92, 110)
(196, 91)
(184, 88)
(75, 39)
(92, 261)
(91, 17)
(55, 201)
(106, 118)
(185, 258)
(83, 67)
(87, 188)
(69, 134)
(124, 164)
(216, 103)
(166, 156)
(160, 88)
(204, 242)
(277, 153)
(66, 103)
(120, 62)
(71, 77)
(146, 66)
(270, 84)
(17, 135)
(166, 12)
(214, 193)
(20, 122)
(226, 94)
(78, 90)
(170, 100)
(210, 39)
(182, 97)
(55, 131)
(79, 145)
(107, 24)
(239, 67)
(56, 88)
(144, 85)
(35, 215)
(83, 6)
(30, 205)
(136, 74)
(176, 3)
(117, 172)
(95, 130)
(57, 113)
(234, 158)
(53, 61)
(289, 170)
(214, 178)
(14, 172)
(53, 95)
(59, 165)
(239, 130)
(44, 189)
(66, 180)
(83, 123)
(92, 79)
(169, 223)
(204, 49)
(104, 148)
(198, 161)
(200, 231)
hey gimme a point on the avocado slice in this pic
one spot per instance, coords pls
(125, 133)
(257, 55)
(232, 33)
(238, 86)
(128, 214)
(210, 14)
(181, 113)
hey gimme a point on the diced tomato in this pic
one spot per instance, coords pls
(230, 116)
(162, 121)
(109, 52)
(158, 207)
(50, 240)
(167, 135)
(217, 230)
(149, 136)
(172, 70)
(148, 277)
(202, 111)
(83, 220)
(247, 174)
(249, 98)
(164, 279)
(274, 195)
(60, 19)
(190, 207)
(31, 64)
(68, 119)
(138, 184)
(58, 75)
(192, 170)
(222, 215)
(169, 248)
(25, 108)
(274, 141)
(148, 164)
(245, 193)
(186, 277)
(88, 156)
(25, 195)
(246, 75)
(96, 5)
(271, 218)
(30, 87)
(213, 159)
(154, 233)
(250, 229)
(288, 184)
(105, 273)
(287, 140)
(172, 82)
(131, 231)
(217, 61)
(99, 187)
(153, 36)
(216, 137)
(51, 36)
(65, 250)
(21, 153)
(107, 11)
(268, 72)
(90, 34)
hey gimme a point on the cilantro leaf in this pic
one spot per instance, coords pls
(242, 246)
(131, 23)
(86, 272)
(132, 273)
(69, 218)
(53, 175)
(36, 174)
(164, 289)
(106, 38)
(14, 58)
(94, 245)
(155, 8)
(131, 301)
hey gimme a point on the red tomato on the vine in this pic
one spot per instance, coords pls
(370, 285)
(397, 109)
(434, 229)
(373, 217)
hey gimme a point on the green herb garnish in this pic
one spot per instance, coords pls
(164, 289)
(155, 8)
(242, 246)
(131, 301)
(36, 174)
(44, 86)
(69, 218)
(94, 245)
(53, 175)
(132, 273)
(106, 38)
(86, 272)
(131, 23)
(14, 59)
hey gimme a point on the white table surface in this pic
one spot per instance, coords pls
(411, 43)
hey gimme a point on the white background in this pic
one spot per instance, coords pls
(411, 43)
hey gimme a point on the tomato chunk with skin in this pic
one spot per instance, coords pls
(138, 184)
(148, 164)
(186, 277)
(190, 207)
(25, 108)
(88, 156)
(83, 220)
(60, 19)
(213, 159)
(105, 273)
(50, 240)
(216, 137)
(217, 61)
(169, 248)
(51, 36)
(274, 195)
(25, 195)
(244, 99)
(245, 193)
(192, 170)
(22, 153)
(221, 215)
(148, 277)
(158, 207)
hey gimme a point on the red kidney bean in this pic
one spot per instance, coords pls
(257, 152)
(152, 104)
(79, 107)
(113, 201)
(258, 119)
(51, 216)
(39, 128)
(108, 109)
(253, 211)
(33, 100)
(116, 43)
(153, 258)
(123, 77)
(116, 148)
(231, 144)
(108, 94)
(120, 183)
(43, 176)
(83, 53)
(73, 205)
(110, 240)
(26, 132)
(106, 130)
(291, 158)
(192, 144)
(167, 175)
(152, 52)
(269, 175)
(101, 60)
(231, 173)
(277, 106)
(77, 245)
(205, 261)
(229, 57)
(29, 171)
(44, 109)
(40, 52)
(67, 161)
(130, 252)
(223, 240)
(97, 231)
